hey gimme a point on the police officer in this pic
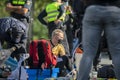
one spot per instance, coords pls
(21, 10)
(55, 14)
(13, 32)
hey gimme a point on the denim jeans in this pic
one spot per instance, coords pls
(97, 19)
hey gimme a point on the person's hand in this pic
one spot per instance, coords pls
(68, 8)
(4, 53)
(43, 66)
(6, 73)
(12, 49)
(57, 21)
(74, 72)
(19, 7)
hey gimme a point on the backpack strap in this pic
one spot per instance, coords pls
(19, 73)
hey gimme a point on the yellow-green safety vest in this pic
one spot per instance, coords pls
(52, 11)
(67, 12)
(18, 2)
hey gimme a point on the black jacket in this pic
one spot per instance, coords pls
(13, 32)
(102, 2)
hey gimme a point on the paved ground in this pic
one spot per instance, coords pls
(77, 60)
(105, 58)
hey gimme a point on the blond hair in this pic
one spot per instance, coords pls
(56, 32)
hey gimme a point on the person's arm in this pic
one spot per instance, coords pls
(19, 9)
(68, 64)
(42, 66)
(61, 10)
(4, 74)
(11, 8)
(18, 46)
(19, 42)
(41, 17)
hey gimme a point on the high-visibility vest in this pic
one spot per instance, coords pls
(18, 2)
(52, 11)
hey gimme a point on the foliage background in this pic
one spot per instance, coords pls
(39, 30)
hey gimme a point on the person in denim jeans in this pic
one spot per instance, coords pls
(100, 17)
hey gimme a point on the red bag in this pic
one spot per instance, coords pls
(40, 51)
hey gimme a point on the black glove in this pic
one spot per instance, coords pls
(18, 46)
